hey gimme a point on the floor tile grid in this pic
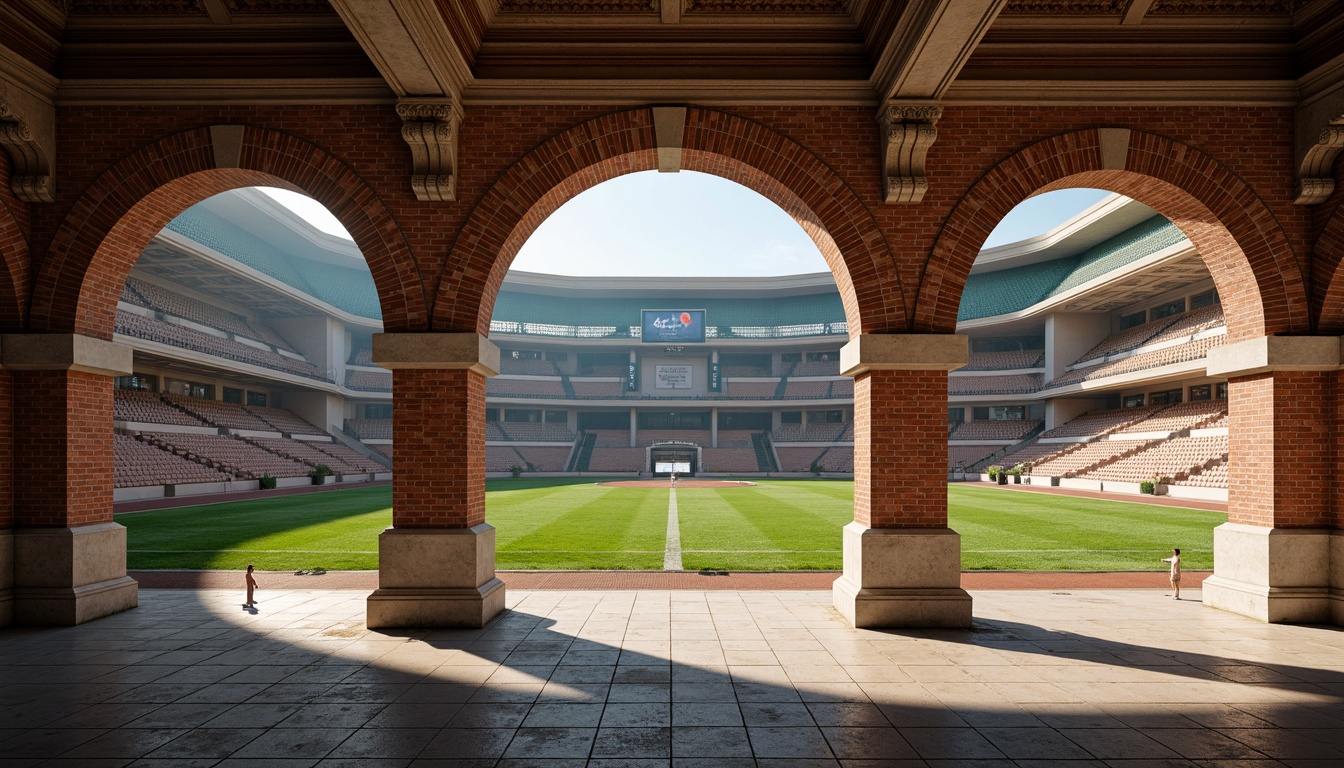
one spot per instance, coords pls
(824, 705)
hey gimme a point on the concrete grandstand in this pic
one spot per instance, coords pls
(253, 338)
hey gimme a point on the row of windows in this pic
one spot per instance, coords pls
(146, 383)
(1174, 307)
(1198, 393)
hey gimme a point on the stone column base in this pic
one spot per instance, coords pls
(901, 577)
(6, 578)
(1276, 575)
(1337, 578)
(67, 576)
(436, 577)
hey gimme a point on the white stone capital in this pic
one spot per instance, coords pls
(904, 352)
(64, 352)
(1275, 353)
(436, 351)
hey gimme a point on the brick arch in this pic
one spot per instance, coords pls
(110, 224)
(1328, 275)
(714, 142)
(14, 262)
(1249, 257)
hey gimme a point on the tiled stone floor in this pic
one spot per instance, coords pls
(693, 679)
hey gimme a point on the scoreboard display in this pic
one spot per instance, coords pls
(673, 326)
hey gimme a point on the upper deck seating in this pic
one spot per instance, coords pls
(369, 381)
(1000, 361)
(149, 329)
(598, 388)
(1012, 384)
(1181, 353)
(361, 356)
(372, 429)
(817, 367)
(651, 436)
(501, 387)
(527, 367)
(1175, 418)
(751, 389)
(801, 389)
(994, 429)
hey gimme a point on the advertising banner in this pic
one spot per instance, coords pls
(715, 383)
(632, 377)
(672, 376)
(673, 326)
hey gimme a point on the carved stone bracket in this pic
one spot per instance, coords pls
(908, 130)
(27, 133)
(430, 127)
(1315, 174)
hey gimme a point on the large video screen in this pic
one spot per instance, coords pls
(673, 326)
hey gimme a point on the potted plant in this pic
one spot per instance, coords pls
(515, 470)
(266, 482)
(320, 474)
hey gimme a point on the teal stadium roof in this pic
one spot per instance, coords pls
(351, 290)
(1012, 290)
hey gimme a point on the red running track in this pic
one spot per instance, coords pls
(661, 580)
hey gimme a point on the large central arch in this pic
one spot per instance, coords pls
(725, 145)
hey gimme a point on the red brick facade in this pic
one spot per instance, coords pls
(443, 484)
(1224, 175)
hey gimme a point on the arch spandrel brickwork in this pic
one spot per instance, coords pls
(13, 253)
(107, 227)
(1253, 263)
(749, 153)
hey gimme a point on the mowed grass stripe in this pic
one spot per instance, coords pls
(561, 528)
(775, 525)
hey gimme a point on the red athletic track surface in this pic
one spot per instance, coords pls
(687, 483)
(216, 498)
(661, 580)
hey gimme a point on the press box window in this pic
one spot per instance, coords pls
(1169, 397)
(256, 398)
(791, 417)
(233, 395)
(1129, 321)
(385, 412)
(1167, 310)
(138, 382)
(1134, 401)
(1006, 413)
(1220, 392)
(1201, 392)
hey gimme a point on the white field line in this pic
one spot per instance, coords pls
(672, 554)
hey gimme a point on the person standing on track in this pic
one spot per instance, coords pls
(251, 586)
(1175, 561)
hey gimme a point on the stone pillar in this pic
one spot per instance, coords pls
(714, 427)
(902, 564)
(69, 557)
(1272, 559)
(634, 427)
(436, 564)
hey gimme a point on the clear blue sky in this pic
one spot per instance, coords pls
(693, 224)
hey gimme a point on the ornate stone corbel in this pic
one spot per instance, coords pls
(27, 132)
(1315, 174)
(908, 130)
(430, 127)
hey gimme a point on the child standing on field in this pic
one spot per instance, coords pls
(251, 585)
(1175, 561)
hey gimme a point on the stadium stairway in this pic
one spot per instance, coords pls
(765, 455)
(585, 453)
(783, 385)
(566, 384)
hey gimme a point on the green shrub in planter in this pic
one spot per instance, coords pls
(515, 470)
(320, 474)
(994, 470)
(1147, 486)
(266, 483)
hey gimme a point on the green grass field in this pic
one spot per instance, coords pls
(575, 524)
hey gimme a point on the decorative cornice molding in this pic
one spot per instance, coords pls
(1224, 7)
(577, 6)
(908, 131)
(27, 133)
(767, 6)
(131, 7)
(1063, 7)
(430, 128)
(1315, 174)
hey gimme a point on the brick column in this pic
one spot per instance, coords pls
(902, 563)
(69, 558)
(6, 500)
(1272, 559)
(436, 564)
